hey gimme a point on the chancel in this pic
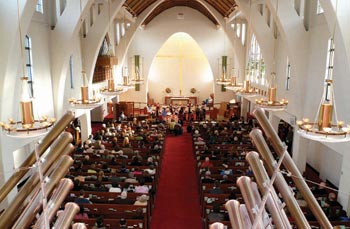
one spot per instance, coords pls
(169, 114)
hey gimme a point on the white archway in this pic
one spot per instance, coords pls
(180, 65)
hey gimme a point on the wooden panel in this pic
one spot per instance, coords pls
(126, 107)
(224, 7)
(106, 61)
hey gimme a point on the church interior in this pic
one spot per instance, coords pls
(174, 114)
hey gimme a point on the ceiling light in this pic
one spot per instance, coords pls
(326, 127)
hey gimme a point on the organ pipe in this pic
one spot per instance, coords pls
(16, 206)
(280, 182)
(30, 212)
(66, 217)
(279, 217)
(264, 216)
(244, 185)
(45, 143)
(292, 168)
(55, 202)
(217, 226)
(233, 209)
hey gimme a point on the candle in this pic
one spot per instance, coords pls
(85, 94)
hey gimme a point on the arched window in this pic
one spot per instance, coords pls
(29, 63)
(39, 7)
(256, 64)
(288, 74)
(319, 9)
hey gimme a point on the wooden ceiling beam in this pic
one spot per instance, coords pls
(224, 7)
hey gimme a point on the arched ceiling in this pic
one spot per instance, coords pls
(224, 7)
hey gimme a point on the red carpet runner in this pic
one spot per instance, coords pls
(177, 198)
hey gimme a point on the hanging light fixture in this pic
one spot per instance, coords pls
(85, 102)
(138, 79)
(247, 90)
(28, 126)
(223, 79)
(233, 85)
(126, 82)
(111, 90)
(126, 85)
(326, 126)
(271, 102)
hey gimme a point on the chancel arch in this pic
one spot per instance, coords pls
(180, 68)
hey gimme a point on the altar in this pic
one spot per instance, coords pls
(180, 100)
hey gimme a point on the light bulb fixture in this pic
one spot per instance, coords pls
(28, 126)
(223, 80)
(126, 85)
(271, 103)
(233, 85)
(85, 102)
(110, 89)
(247, 90)
(326, 127)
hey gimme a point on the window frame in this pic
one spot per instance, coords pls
(29, 64)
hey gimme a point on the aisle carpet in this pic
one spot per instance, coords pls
(177, 198)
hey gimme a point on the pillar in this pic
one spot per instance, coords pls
(299, 156)
(85, 125)
(344, 184)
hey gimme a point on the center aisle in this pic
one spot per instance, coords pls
(177, 198)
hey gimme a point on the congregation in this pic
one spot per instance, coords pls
(116, 171)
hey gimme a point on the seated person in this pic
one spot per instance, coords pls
(122, 117)
(216, 189)
(172, 124)
(151, 170)
(122, 224)
(141, 188)
(226, 171)
(99, 223)
(81, 199)
(207, 178)
(123, 199)
(142, 200)
(115, 188)
(131, 178)
(206, 163)
(332, 199)
(226, 180)
(81, 214)
(321, 189)
(216, 215)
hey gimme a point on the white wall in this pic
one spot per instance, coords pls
(148, 41)
(180, 65)
(326, 161)
(40, 35)
(306, 50)
(74, 92)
